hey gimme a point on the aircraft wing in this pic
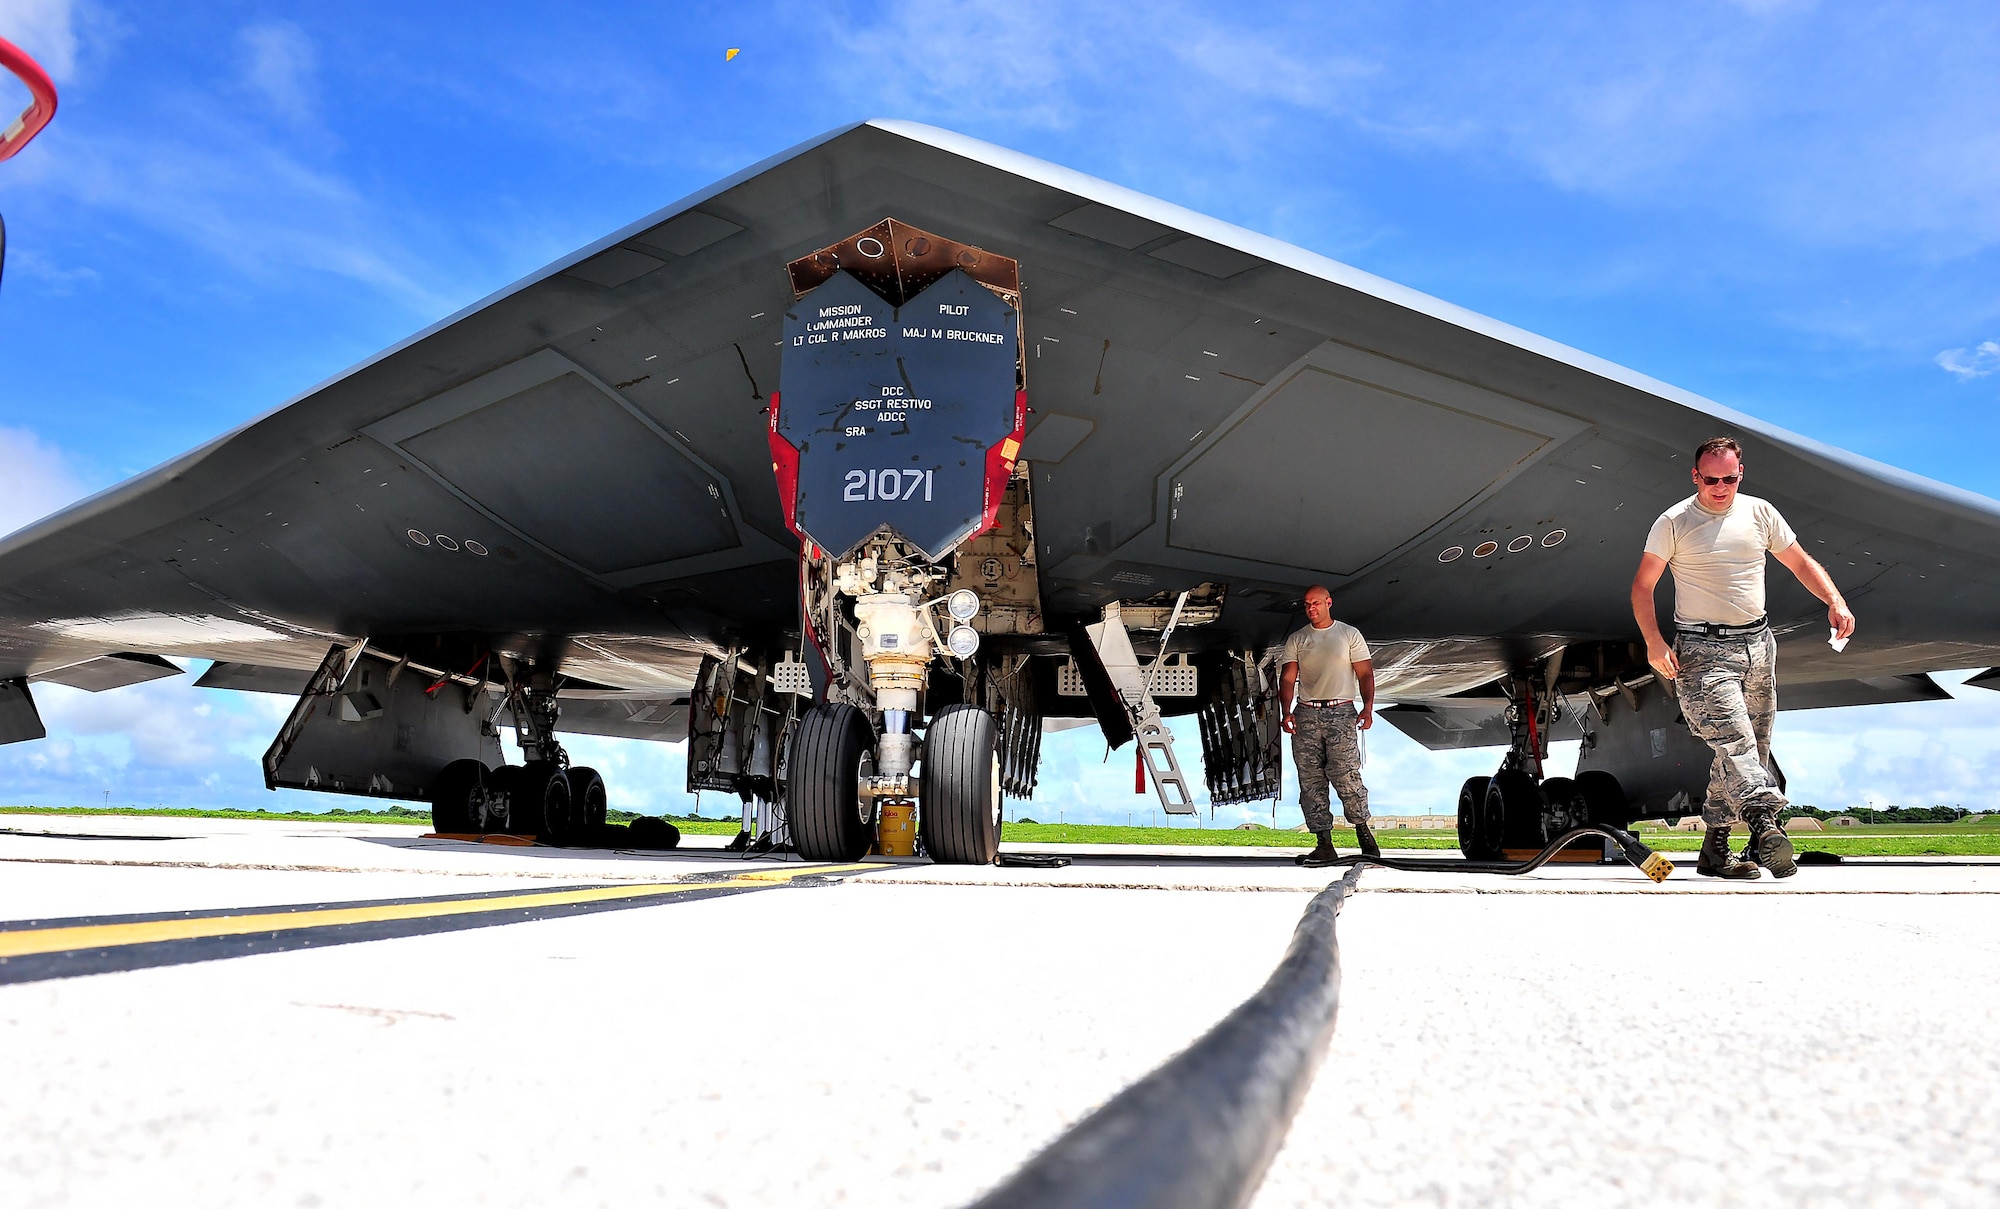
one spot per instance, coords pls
(575, 471)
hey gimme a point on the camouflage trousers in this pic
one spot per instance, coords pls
(1729, 694)
(1325, 752)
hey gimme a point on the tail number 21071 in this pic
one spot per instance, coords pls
(886, 485)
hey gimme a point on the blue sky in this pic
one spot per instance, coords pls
(1792, 208)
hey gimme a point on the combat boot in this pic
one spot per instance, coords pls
(1717, 861)
(1323, 853)
(1771, 847)
(1366, 836)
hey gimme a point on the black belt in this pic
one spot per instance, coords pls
(1328, 704)
(1710, 629)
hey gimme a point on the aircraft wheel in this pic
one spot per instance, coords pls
(1515, 801)
(1602, 798)
(591, 798)
(457, 797)
(543, 805)
(1564, 807)
(830, 820)
(1477, 838)
(959, 804)
(503, 792)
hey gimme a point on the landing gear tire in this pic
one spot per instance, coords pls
(543, 805)
(503, 795)
(960, 802)
(1478, 837)
(830, 820)
(589, 800)
(1602, 798)
(457, 797)
(1515, 799)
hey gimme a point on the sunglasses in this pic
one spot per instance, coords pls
(1731, 479)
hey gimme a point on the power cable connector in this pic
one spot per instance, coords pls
(1649, 862)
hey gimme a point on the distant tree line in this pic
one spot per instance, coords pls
(1888, 814)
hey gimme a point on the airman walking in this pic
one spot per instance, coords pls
(1723, 659)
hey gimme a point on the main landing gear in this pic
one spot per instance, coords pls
(1516, 811)
(544, 798)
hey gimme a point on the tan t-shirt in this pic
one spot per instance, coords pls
(1326, 660)
(1718, 557)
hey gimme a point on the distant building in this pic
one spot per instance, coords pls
(1416, 822)
(1406, 822)
(1804, 823)
(1841, 820)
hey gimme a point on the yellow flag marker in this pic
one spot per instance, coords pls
(731, 53)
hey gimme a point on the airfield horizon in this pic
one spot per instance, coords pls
(1867, 839)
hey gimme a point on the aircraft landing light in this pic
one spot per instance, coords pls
(35, 950)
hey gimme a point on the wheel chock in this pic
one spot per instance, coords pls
(1030, 860)
(473, 837)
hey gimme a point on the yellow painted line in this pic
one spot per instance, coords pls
(785, 875)
(104, 936)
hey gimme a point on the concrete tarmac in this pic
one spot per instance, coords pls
(910, 1034)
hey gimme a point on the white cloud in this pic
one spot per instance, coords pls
(1767, 8)
(1969, 363)
(254, 204)
(1837, 125)
(278, 65)
(46, 29)
(209, 170)
(163, 742)
(57, 281)
(1927, 753)
(1030, 58)
(1265, 63)
(39, 479)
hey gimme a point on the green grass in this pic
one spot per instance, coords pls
(1086, 833)
(404, 816)
(689, 826)
(1872, 841)
(1882, 839)
(1887, 839)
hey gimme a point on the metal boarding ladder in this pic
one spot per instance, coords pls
(1156, 742)
(1156, 747)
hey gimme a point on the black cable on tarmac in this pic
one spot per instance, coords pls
(1198, 1132)
(1648, 862)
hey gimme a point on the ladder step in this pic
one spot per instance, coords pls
(1156, 745)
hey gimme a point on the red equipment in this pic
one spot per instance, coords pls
(41, 106)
